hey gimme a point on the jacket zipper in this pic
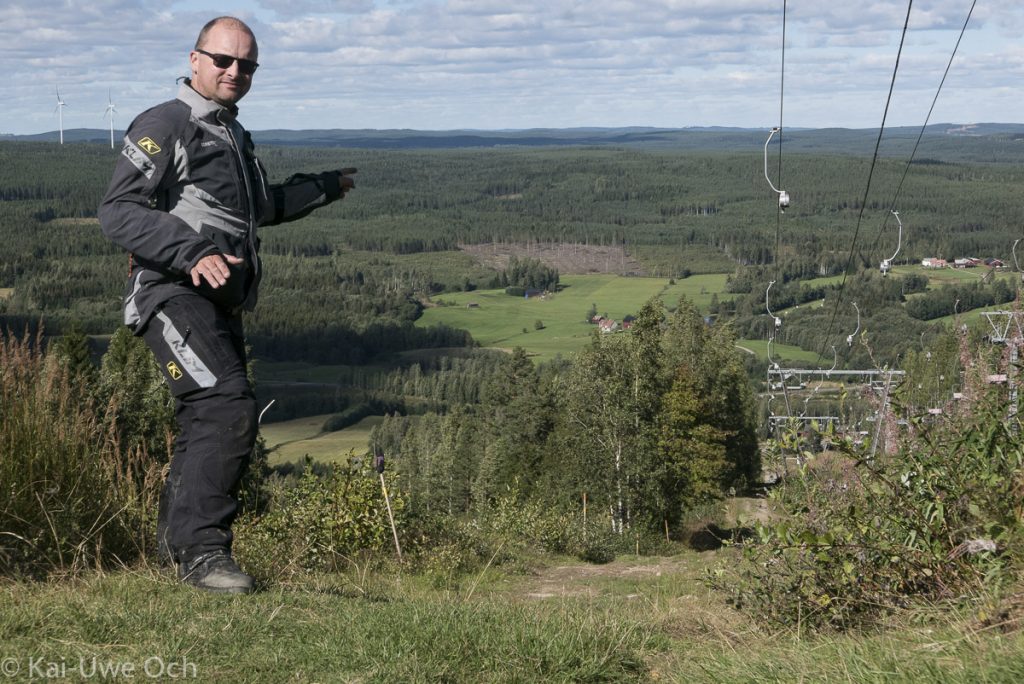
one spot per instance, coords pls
(247, 182)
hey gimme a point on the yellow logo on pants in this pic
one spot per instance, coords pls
(174, 371)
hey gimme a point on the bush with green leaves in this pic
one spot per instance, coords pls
(863, 533)
(510, 531)
(319, 523)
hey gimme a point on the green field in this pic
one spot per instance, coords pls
(294, 439)
(974, 318)
(937, 277)
(779, 351)
(954, 276)
(820, 282)
(499, 320)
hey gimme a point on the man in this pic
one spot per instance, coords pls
(186, 197)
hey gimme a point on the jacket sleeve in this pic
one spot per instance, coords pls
(301, 194)
(131, 215)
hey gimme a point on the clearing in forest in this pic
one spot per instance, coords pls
(557, 323)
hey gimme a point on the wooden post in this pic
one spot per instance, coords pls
(584, 515)
(391, 517)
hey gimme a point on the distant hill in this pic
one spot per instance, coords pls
(985, 142)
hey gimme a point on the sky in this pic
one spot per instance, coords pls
(483, 64)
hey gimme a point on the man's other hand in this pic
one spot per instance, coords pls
(214, 269)
(344, 181)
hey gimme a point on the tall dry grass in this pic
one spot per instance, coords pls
(71, 496)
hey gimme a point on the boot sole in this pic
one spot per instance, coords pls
(222, 590)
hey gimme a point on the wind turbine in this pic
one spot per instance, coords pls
(110, 111)
(60, 113)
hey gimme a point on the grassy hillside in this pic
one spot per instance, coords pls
(937, 277)
(500, 320)
(785, 352)
(633, 620)
(294, 439)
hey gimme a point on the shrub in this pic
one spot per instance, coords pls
(508, 532)
(863, 535)
(532, 524)
(596, 549)
(319, 523)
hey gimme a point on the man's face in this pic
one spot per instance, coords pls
(223, 86)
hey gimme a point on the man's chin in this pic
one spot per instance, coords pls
(228, 99)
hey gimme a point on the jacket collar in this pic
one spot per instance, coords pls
(204, 108)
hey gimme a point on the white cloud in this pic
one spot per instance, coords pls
(300, 7)
(490, 64)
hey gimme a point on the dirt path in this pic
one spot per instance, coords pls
(589, 580)
(584, 580)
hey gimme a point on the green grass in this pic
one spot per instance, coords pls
(635, 620)
(499, 320)
(308, 634)
(937, 277)
(779, 351)
(294, 439)
(974, 317)
(658, 260)
(820, 282)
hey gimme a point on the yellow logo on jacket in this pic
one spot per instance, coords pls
(149, 146)
(174, 371)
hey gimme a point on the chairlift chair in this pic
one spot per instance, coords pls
(778, 321)
(783, 195)
(886, 265)
(849, 338)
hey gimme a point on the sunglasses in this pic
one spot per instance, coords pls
(245, 66)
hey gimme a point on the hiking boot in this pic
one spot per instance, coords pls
(216, 571)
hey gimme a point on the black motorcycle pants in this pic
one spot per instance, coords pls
(201, 351)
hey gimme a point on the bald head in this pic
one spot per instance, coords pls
(217, 73)
(232, 23)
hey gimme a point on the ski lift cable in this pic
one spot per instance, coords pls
(782, 95)
(1016, 262)
(821, 381)
(775, 319)
(771, 337)
(924, 127)
(867, 188)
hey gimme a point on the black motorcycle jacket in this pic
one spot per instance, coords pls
(188, 184)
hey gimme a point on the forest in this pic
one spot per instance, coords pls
(345, 287)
